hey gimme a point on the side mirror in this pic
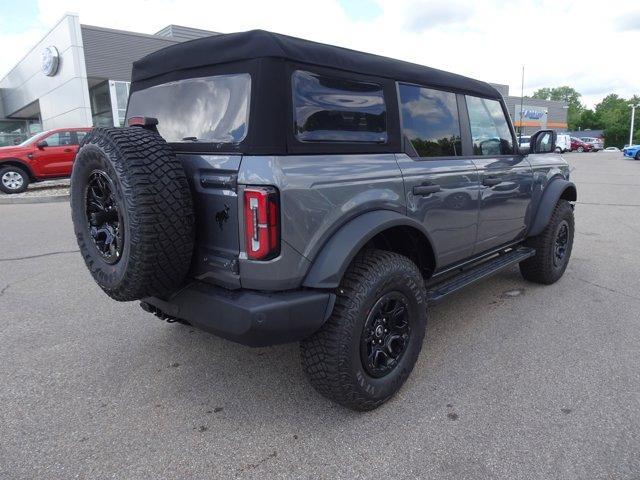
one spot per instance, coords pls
(543, 141)
(42, 144)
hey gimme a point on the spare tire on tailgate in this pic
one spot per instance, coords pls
(132, 212)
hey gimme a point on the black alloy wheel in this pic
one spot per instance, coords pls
(104, 217)
(561, 244)
(385, 335)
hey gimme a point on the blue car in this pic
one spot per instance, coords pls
(632, 151)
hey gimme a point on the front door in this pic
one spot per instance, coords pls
(56, 159)
(441, 186)
(505, 175)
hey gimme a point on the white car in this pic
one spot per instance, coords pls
(611, 149)
(563, 143)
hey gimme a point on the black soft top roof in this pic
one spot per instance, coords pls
(234, 47)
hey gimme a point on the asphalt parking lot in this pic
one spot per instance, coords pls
(515, 380)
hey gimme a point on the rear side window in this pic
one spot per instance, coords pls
(208, 109)
(331, 109)
(430, 121)
(489, 127)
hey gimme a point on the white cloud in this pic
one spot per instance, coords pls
(572, 42)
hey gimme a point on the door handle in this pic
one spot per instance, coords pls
(68, 150)
(425, 190)
(491, 181)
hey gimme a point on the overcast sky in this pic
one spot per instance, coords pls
(588, 44)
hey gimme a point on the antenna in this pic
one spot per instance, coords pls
(521, 105)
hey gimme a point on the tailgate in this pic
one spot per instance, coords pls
(213, 181)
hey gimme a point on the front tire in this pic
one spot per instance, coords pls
(553, 247)
(13, 179)
(366, 350)
(580, 149)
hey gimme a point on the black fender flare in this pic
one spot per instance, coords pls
(21, 163)
(337, 253)
(552, 193)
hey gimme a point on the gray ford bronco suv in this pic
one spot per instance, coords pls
(269, 189)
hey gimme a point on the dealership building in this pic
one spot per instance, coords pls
(79, 75)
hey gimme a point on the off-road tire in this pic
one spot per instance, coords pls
(15, 170)
(153, 196)
(541, 267)
(331, 357)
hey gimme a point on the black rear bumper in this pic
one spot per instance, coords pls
(245, 316)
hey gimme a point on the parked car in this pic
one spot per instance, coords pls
(611, 149)
(44, 156)
(524, 140)
(319, 223)
(596, 143)
(578, 145)
(563, 143)
(632, 151)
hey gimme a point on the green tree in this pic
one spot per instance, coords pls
(615, 118)
(565, 94)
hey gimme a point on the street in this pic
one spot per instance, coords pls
(515, 380)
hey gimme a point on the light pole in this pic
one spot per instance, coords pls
(633, 116)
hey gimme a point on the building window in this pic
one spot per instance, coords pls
(101, 111)
(12, 132)
(119, 96)
(430, 121)
(330, 109)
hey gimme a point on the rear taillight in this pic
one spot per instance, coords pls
(261, 223)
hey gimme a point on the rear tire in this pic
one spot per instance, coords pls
(132, 213)
(553, 247)
(13, 179)
(366, 350)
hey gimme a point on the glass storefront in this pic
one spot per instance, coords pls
(109, 103)
(119, 97)
(13, 132)
(100, 100)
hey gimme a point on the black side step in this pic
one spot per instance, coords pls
(438, 291)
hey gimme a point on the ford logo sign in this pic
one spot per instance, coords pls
(50, 61)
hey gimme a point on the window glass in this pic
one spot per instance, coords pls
(208, 109)
(489, 128)
(59, 139)
(81, 136)
(329, 109)
(430, 121)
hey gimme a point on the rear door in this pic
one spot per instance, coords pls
(441, 186)
(505, 175)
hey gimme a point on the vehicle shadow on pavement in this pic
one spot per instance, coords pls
(270, 380)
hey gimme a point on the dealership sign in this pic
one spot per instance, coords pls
(530, 114)
(50, 61)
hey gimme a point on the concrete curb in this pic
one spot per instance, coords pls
(11, 200)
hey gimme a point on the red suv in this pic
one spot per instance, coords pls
(578, 145)
(44, 156)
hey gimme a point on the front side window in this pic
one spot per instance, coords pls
(430, 121)
(330, 109)
(59, 139)
(489, 127)
(208, 109)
